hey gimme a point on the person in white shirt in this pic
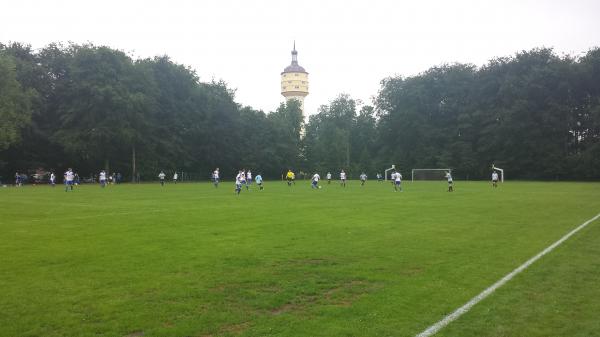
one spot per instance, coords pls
(248, 180)
(69, 180)
(175, 177)
(240, 179)
(216, 177)
(397, 178)
(161, 177)
(328, 177)
(363, 179)
(102, 178)
(495, 179)
(450, 182)
(343, 178)
(52, 179)
(315, 181)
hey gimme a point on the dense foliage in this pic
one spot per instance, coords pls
(536, 114)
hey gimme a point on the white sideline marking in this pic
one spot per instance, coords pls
(432, 330)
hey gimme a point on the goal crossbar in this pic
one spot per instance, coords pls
(501, 172)
(385, 173)
(418, 170)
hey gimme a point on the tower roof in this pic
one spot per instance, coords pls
(294, 67)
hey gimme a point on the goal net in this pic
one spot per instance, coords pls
(429, 174)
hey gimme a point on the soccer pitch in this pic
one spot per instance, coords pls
(192, 260)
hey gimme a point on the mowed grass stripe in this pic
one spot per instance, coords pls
(281, 262)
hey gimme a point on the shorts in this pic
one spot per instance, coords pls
(494, 180)
(315, 182)
(398, 182)
(69, 182)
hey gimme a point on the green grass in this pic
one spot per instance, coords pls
(192, 260)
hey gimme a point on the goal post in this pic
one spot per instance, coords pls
(385, 173)
(499, 170)
(429, 174)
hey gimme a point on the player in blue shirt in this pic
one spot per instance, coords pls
(259, 181)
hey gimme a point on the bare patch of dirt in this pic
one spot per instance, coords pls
(135, 334)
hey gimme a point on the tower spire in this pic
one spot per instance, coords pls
(294, 55)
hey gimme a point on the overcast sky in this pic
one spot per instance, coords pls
(346, 46)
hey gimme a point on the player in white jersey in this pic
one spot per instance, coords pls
(343, 178)
(102, 178)
(161, 177)
(363, 179)
(495, 179)
(240, 179)
(52, 179)
(215, 177)
(248, 179)
(315, 181)
(69, 179)
(397, 178)
(175, 177)
(450, 182)
(328, 177)
(379, 177)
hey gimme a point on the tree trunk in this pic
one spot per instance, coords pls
(133, 171)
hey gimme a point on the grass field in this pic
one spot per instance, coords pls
(192, 260)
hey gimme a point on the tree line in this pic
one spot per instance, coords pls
(536, 114)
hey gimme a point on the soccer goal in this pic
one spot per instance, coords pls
(499, 170)
(429, 174)
(385, 173)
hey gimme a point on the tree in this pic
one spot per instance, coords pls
(15, 104)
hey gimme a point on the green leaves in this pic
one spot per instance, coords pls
(15, 104)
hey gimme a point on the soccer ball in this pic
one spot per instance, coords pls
(320, 187)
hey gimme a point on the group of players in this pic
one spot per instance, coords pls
(244, 178)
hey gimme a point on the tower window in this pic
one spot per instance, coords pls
(296, 74)
(289, 81)
(297, 87)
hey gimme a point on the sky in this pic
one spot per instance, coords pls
(346, 46)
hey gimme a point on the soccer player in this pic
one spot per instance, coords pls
(259, 181)
(397, 178)
(175, 176)
(215, 177)
(102, 178)
(328, 178)
(343, 178)
(379, 177)
(69, 179)
(240, 179)
(450, 182)
(248, 179)
(52, 179)
(315, 181)
(363, 179)
(495, 179)
(161, 177)
(18, 181)
(289, 177)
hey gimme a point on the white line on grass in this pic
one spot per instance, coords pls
(432, 330)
